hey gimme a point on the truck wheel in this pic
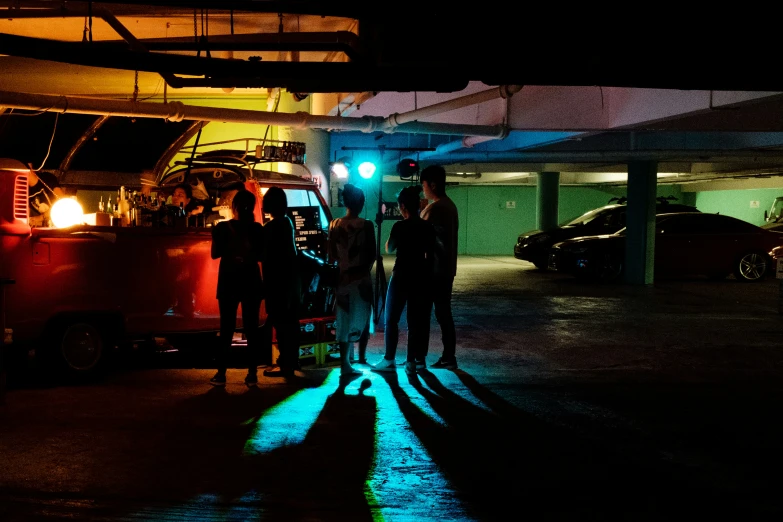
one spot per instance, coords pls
(751, 267)
(80, 347)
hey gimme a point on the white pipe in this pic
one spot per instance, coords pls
(177, 111)
(504, 91)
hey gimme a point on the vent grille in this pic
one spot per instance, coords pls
(21, 210)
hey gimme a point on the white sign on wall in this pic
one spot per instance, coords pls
(511, 204)
(754, 204)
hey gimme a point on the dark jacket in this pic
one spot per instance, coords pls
(281, 267)
(240, 246)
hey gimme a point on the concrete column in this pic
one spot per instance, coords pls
(640, 222)
(547, 194)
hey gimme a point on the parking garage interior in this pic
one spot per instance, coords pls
(641, 401)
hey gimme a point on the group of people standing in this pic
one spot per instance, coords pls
(241, 243)
(425, 243)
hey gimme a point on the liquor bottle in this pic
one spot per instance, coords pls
(100, 205)
(124, 205)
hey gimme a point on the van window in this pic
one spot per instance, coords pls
(310, 220)
(298, 198)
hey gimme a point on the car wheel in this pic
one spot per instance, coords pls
(80, 348)
(751, 267)
(609, 268)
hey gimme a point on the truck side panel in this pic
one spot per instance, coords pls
(158, 280)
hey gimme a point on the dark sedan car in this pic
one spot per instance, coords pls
(534, 245)
(686, 244)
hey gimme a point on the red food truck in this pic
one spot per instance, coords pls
(85, 290)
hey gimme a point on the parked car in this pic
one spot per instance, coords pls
(686, 244)
(533, 246)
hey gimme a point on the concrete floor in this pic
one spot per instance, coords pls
(572, 402)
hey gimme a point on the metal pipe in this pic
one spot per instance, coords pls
(503, 91)
(177, 111)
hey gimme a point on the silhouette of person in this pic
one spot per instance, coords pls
(352, 246)
(414, 241)
(280, 267)
(239, 244)
(442, 213)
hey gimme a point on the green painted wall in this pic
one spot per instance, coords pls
(487, 225)
(740, 204)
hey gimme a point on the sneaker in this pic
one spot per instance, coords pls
(448, 364)
(385, 366)
(218, 380)
(251, 379)
(410, 368)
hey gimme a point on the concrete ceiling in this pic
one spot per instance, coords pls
(707, 113)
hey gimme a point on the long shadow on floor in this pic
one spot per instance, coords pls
(502, 457)
(310, 462)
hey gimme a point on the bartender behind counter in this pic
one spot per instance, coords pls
(182, 197)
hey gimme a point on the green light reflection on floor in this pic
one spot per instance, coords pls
(403, 478)
(288, 422)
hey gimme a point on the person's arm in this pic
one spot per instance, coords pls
(218, 241)
(369, 244)
(258, 241)
(391, 243)
(430, 241)
(331, 243)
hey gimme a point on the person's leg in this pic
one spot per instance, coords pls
(395, 303)
(442, 303)
(363, 340)
(265, 342)
(418, 327)
(286, 326)
(288, 340)
(228, 321)
(427, 305)
(250, 309)
(294, 336)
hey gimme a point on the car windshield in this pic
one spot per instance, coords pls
(586, 217)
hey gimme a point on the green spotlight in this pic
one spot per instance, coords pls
(367, 169)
